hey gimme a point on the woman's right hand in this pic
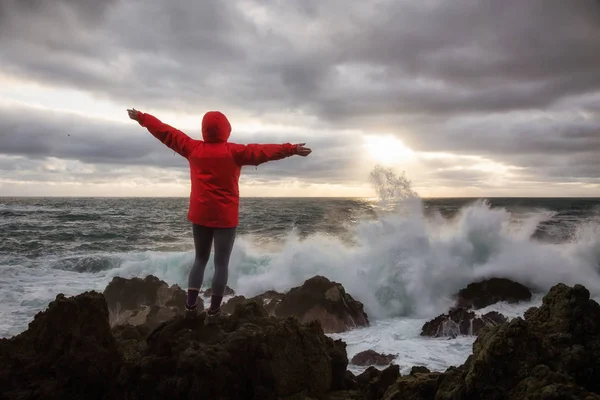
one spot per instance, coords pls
(301, 150)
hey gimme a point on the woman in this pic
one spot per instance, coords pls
(215, 166)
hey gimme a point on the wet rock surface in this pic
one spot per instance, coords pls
(551, 353)
(318, 299)
(269, 300)
(491, 291)
(460, 321)
(370, 357)
(149, 301)
(71, 352)
(373, 383)
(326, 301)
(68, 352)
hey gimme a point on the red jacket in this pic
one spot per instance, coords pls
(215, 166)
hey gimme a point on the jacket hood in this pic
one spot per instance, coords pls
(215, 127)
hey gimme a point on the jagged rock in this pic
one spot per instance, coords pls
(373, 383)
(245, 355)
(270, 300)
(68, 352)
(131, 340)
(459, 321)
(345, 395)
(491, 291)
(149, 301)
(228, 292)
(552, 353)
(326, 301)
(419, 370)
(418, 386)
(317, 299)
(370, 357)
(341, 378)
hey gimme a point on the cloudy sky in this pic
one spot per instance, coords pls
(468, 97)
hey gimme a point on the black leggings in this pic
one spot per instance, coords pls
(203, 240)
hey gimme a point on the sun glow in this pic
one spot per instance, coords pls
(387, 150)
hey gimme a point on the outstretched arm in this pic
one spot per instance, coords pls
(255, 154)
(173, 138)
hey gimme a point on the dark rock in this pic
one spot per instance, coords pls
(317, 299)
(415, 387)
(459, 321)
(131, 340)
(419, 370)
(487, 320)
(341, 378)
(245, 355)
(325, 301)
(228, 292)
(491, 291)
(552, 353)
(270, 300)
(68, 352)
(345, 395)
(370, 357)
(373, 383)
(149, 301)
(350, 381)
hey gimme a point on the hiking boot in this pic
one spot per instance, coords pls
(190, 312)
(212, 316)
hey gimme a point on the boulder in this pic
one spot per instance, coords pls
(71, 352)
(68, 352)
(245, 355)
(551, 353)
(491, 291)
(325, 301)
(228, 292)
(149, 301)
(459, 321)
(370, 357)
(317, 299)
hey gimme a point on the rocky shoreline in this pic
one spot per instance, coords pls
(134, 342)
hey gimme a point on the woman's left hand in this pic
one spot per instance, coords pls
(134, 114)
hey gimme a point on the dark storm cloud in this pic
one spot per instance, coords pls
(87, 10)
(412, 57)
(516, 80)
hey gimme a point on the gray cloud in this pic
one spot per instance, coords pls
(442, 57)
(45, 134)
(516, 81)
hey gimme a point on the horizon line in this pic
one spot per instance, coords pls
(295, 197)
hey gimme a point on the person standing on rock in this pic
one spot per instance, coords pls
(215, 166)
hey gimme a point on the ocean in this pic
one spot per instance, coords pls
(402, 259)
